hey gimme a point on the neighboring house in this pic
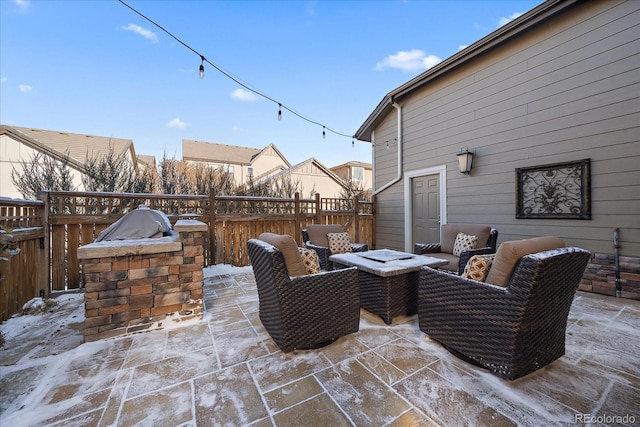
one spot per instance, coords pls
(312, 177)
(241, 162)
(21, 144)
(560, 83)
(146, 161)
(359, 173)
(264, 165)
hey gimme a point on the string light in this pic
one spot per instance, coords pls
(387, 143)
(237, 81)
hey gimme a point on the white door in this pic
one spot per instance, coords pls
(425, 208)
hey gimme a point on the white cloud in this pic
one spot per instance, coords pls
(3, 79)
(147, 34)
(509, 18)
(463, 46)
(243, 95)
(22, 4)
(411, 60)
(177, 123)
(25, 88)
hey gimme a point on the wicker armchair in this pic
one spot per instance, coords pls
(303, 312)
(443, 249)
(315, 237)
(512, 330)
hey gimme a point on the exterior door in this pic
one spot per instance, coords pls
(425, 198)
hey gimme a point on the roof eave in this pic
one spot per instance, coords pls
(34, 143)
(497, 37)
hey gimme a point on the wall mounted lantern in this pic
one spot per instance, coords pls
(465, 160)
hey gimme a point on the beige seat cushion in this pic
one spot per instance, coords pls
(289, 249)
(453, 260)
(318, 233)
(509, 253)
(449, 232)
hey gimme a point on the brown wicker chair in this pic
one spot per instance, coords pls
(512, 330)
(303, 312)
(314, 237)
(486, 245)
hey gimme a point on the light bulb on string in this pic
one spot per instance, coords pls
(279, 111)
(229, 76)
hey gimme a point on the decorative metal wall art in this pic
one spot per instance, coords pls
(559, 190)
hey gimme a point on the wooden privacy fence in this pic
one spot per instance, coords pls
(238, 219)
(24, 275)
(48, 260)
(77, 218)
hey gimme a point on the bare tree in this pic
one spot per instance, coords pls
(284, 186)
(207, 178)
(147, 181)
(175, 177)
(182, 177)
(354, 188)
(42, 172)
(109, 173)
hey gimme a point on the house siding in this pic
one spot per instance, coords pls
(390, 206)
(345, 172)
(267, 160)
(566, 90)
(314, 180)
(12, 154)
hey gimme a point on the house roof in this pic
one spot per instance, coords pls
(518, 26)
(78, 147)
(275, 149)
(302, 164)
(147, 160)
(221, 153)
(353, 163)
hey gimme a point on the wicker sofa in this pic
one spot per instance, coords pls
(515, 327)
(487, 240)
(315, 237)
(306, 311)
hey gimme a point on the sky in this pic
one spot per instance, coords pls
(99, 68)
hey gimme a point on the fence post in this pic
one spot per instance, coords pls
(44, 196)
(318, 210)
(212, 228)
(296, 217)
(356, 218)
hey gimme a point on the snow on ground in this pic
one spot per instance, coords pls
(219, 269)
(47, 341)
(53, 324)
(45, 318)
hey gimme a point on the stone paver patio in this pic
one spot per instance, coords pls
(226, 370)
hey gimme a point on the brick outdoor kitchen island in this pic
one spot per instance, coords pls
(137, 285)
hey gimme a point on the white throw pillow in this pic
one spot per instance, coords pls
(464, 242)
